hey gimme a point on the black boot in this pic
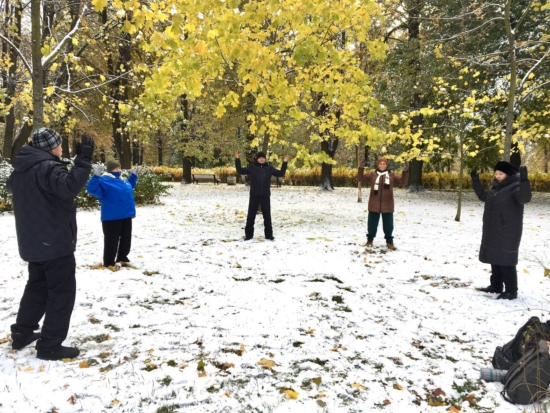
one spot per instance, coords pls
(20, 340)
(507, 296)
(491, 289)
(59, 354)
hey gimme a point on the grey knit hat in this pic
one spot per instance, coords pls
(112, 164)
(46, 139)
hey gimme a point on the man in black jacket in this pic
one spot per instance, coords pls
(260, 190)
(44, 206)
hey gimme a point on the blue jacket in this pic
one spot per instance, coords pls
(116, 195)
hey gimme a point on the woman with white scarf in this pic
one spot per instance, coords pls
(381, 182)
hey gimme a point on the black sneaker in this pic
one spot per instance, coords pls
(271, 238)
(507, 296)
(59, 354)
(20, 340)
(247, 238)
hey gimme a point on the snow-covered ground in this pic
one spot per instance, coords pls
(312, 322)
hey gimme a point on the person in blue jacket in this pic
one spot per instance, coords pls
(118, 207)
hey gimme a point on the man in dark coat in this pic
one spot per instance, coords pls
(260, 190)
(503, 225)
(44, 206)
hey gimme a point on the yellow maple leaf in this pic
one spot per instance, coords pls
(115, 402)
(358, 386)
(526, 271)
(83, 364)
(202, 374)
(291, 394)
(28, 368)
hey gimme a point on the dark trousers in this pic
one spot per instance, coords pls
(117, 240)
(50, 291)
(387, 225)
(253, 203)
(504, 274)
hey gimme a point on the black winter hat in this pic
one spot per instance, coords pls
(505, 167)
(260, 155)
(46, 139)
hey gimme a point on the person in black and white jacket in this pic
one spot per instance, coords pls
(44, 193)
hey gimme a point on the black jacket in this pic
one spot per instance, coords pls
(43, 202)
(260, 176)
(502, 219)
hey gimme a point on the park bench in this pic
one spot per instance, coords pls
(198, 178)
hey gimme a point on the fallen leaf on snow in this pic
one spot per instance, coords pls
(317, 380)
(202, 374)
(397, 386)
(291, 394)
(386, 402)
(438, 392)
(471, 398)
(526, 271)
(115, 402)
(434, 403)
(267, 363)
(83, 364)
(358, 386)
(455, 409)
(28, 368)
(71, 400)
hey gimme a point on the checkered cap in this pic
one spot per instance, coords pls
(46, 139)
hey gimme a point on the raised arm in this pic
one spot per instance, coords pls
(478, 188)
(281, 173)
(238, 167)
(523, 194)
(361, 177)
(64, 184)
(404, 178)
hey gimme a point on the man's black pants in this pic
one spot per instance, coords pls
(506, 274)
(117, 240)
(253, 203)
(50, 291)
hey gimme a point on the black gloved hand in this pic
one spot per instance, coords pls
(523, 173)
(474, 174)
(86, 147)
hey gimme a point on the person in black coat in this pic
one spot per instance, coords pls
(260, 190)
(44, 206)
(503, 225)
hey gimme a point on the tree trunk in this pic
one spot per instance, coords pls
(187, 161)
(461, 169)
(249, 111)
(326, 168)
(513, 79)
(37, 73)
(119, 95)
(359, 189)
(415, 176)
(135, 152)
(413, 25)
(13, 18)
(159, 148)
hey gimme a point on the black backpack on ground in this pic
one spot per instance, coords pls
(527, 380)
(526, 338)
